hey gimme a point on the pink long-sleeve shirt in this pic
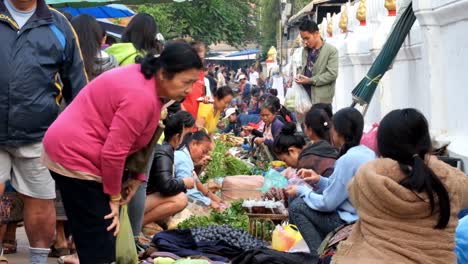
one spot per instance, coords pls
(114, 116)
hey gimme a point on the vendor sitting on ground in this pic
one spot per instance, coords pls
(234, 124)
(319, 156)
(272, 126)
(318, 212)
(195, 150)
(166, 194)
(209, 114)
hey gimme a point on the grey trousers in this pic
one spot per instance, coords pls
(136, 206)
(313, 225)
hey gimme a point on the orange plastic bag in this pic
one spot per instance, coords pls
(284, 237)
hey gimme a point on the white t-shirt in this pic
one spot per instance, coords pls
(253, 77)
(21, 17)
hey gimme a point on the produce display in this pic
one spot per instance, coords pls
(236, 237)
(231, 140)
(223, 165)
(234, 216)
(264, 207)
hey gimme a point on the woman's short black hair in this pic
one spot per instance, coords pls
(175, 123)
(223, 91)
(175, 58)
(349, 123)
(403, 136)
(271, 103)
(198, 136)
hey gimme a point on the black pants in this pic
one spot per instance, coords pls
(86, 205)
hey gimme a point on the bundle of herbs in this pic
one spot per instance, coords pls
(222, 165)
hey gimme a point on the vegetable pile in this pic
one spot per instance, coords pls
(234, 216)
(223, 165)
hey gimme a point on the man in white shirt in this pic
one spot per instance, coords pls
(220, 76)
(253, 76)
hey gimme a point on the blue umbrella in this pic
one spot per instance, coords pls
(107, 11)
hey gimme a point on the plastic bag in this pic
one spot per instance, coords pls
(274, 179)
(126, 252)
(300, 246)
(284, 237)
(303, 102)
(369, 138)
(290, 99)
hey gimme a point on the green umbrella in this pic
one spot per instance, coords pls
(364, 91)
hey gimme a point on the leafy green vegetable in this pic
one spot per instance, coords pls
(222, 165)
(234, 216)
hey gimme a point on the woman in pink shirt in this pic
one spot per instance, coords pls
(114, 116)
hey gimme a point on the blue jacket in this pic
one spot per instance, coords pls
(41, 63)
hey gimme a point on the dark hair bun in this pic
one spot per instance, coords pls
(289, 129)
(149, 64)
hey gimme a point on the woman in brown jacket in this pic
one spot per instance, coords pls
(407, 201)
(319, 155)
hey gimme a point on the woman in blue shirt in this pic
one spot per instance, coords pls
(194, 150)
(320, 210)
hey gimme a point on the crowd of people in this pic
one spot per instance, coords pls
(135, 127)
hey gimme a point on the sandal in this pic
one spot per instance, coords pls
(9, 247)
(2, 258)
(58, 252)
(69, 259)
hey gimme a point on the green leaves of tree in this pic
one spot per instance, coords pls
(211, 21)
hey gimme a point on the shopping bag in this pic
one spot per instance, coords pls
(369, 138)
(303, 101)
(284, 237)
(273, 179)
(126, 252)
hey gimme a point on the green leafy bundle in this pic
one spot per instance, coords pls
(222, 165)
(234, 216)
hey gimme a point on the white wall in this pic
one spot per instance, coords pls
(430, 72)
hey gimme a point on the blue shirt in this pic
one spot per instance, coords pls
(331, 194)
(183, 169)
(461, 239)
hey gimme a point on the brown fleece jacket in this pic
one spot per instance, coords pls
(396, 224)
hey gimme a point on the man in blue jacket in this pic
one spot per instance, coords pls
(41, 64)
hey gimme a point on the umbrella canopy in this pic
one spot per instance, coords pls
(90, 3)
(108, 11)
(78, 3)
(243, 52)
(365, 90)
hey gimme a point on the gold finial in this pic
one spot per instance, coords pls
(361, 12)
(330, 25)
(271, 54)
(390, 5)
(344, 19)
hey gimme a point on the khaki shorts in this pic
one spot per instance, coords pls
(28, 175)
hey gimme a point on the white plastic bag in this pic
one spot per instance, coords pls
(303, 102)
